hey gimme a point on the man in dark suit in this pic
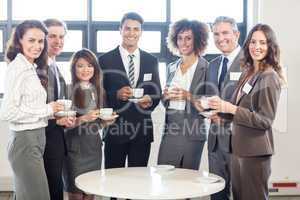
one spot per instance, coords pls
(223, 75)
(131, 136)
(55, 149)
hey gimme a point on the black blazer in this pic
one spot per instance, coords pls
(55, 140)
(133, 123)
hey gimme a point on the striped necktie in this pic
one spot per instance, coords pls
(131, 70)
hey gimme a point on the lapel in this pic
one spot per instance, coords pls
(197, 76)
(143, 65)
(173, 66)
(213, 71)
(251, 82)
(119, 65)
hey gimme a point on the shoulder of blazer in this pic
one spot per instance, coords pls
(202, 62)
(147, 55)
(216, 61)
(109, 55)
(270, 78)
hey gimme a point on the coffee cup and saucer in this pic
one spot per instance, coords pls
(67, 112)
(137, 94)
(107, 114)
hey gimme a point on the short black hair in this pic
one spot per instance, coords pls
(132, 16)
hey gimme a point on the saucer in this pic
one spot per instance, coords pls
(108, 118)
(134, 100)
(206, 114)
(162, 168)
(65, 113)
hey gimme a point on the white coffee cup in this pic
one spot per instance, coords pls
(137, 92)
(106, 112)
(67, 103)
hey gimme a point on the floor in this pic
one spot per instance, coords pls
(8, 196)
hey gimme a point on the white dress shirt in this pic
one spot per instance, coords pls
(230, 58)
(183, 81)
(136, 59)
(24, 103)
(54, 68)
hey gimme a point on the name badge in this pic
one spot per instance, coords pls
(235, 76)
(247, 88)
(147, 77)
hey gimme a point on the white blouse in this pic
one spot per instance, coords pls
(24, 103)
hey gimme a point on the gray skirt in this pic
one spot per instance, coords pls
(25, 155)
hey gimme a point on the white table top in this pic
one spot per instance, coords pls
(145, 183)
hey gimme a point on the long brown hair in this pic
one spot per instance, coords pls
(14, 47)
(96, 80)
(272, 59)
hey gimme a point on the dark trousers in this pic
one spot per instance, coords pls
(219, 164)
(137, 154)
(250, 177)
(53, 168)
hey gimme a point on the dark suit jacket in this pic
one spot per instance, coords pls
(188, 122)
(134, 123)
(221, 134)
(252, 124)
(55, 142)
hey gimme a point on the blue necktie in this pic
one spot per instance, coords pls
(223, 72)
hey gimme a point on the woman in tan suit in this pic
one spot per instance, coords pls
(252, 110)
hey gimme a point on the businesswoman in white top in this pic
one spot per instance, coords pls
(24, 107)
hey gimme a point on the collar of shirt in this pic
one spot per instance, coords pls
(29, 65)
(184, 80)
(230, 58)
(125, 58)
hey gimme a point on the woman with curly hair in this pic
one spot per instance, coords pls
(185, 131)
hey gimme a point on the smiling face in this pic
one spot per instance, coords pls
(225, 37)
(185, 42)
(131, 32)
(84, 70)
(258, 47)
(55, 38)
(32, 43)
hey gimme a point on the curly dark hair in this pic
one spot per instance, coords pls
(272, 59)
(14, 47)
(199, 30)
(96, 80)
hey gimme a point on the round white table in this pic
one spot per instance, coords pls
(145, 183)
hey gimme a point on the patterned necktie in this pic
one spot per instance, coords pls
(54, 70)
(131, 70)
(223, 72)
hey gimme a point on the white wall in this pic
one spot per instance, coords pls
(281, 15)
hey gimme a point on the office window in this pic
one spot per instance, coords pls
(3, 11)
(73, 41)
(206, 11)
(64, 10)
(1, 41)
(113, 10)
(107, 40)
(3, 67)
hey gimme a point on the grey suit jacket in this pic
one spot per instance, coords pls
(220, 134)
(187, 123)
(252, 133)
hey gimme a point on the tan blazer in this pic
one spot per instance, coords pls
(252, 133)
